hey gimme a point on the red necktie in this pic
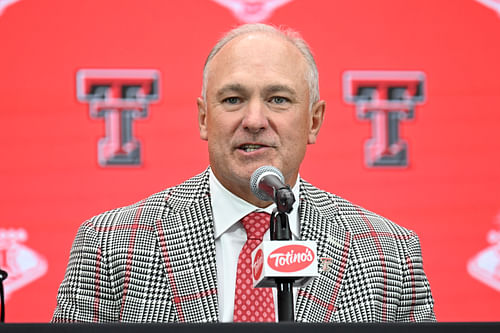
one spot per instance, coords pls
(252, 304)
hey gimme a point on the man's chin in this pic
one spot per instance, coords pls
(243, 175)
(239, 174)
(250, 169)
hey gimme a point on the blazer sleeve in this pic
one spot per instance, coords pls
(86, 293)
(417, 303)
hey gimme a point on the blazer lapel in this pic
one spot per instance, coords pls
(320, 221)
(186, 238)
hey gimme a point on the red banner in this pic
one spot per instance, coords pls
(411, 129)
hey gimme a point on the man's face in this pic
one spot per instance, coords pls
(257, 111)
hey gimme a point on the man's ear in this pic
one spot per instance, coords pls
(202, 118)
(317, 115)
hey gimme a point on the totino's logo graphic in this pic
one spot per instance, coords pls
(251, 11)
(485, 266)
(385, 98)
(290, 258)
(493, 4)
(118, 96)
(22, 264)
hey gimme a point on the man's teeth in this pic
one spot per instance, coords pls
(249, 148)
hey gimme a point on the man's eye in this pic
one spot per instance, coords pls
(231, 100)
(279, 100)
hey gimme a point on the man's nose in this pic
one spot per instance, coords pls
(255, 118)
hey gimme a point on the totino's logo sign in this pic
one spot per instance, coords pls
(290, 258)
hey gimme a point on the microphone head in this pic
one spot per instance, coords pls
(257, 176)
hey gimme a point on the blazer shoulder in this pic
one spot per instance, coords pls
(355, 218)
(152, 208)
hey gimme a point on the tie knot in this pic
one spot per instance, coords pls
(256, 224)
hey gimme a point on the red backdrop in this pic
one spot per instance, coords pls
(448, 193)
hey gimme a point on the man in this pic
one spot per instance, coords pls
(175, 256)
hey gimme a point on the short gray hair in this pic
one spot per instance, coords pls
(312, 76)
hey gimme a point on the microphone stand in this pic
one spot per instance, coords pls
(280, 231)
(3, 276)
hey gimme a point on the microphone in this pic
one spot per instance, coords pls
(281, 262)
(267, 183)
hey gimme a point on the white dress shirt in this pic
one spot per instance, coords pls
(230, 236)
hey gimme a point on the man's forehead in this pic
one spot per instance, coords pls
(257, 45)
(257, 62)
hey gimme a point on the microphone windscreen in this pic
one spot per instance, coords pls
(257, 176)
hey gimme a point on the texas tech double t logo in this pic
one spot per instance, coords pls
(385, 98)
(118, 96)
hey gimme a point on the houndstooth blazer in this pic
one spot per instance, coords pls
(154, 261)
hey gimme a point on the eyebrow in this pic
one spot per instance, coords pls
(240, 89)
(279, 88)
(231, 87)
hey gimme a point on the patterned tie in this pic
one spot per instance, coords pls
(252, 304)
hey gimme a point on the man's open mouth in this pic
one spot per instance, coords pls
(250, 147)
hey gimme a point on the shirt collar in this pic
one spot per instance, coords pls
(228, 208)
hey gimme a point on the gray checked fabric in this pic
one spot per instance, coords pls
(154, 261)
